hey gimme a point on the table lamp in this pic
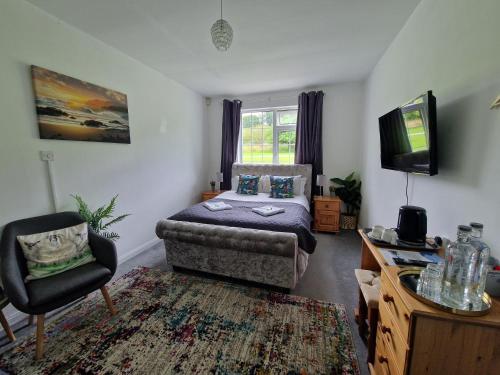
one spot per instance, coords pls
(219, 178)
(321, 181)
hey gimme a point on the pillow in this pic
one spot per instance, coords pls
(53, 252)
(234, 183)
(281, 187)
(265, 184)
(299, 184)
(303, 182)
(248, 184)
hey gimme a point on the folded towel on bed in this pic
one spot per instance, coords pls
(268, 210)
(217, 206)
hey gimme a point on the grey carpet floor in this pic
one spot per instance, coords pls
(329, 277)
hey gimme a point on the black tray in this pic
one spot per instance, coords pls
(400, 244)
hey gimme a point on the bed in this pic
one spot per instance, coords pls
(239, 243)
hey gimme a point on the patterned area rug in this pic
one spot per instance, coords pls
(172, 323)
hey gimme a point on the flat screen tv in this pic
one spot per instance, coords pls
(408, 137)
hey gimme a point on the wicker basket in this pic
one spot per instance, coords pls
(348, 221)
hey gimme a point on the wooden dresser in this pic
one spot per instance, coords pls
(416, 339)
(326, 213)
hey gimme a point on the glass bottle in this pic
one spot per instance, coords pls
(479, 263)
(456, 286)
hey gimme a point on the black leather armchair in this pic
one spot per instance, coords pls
(40, 296)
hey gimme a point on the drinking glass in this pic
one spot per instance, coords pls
(433, 280)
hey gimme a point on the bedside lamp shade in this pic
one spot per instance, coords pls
(219, 177)
(321, 181)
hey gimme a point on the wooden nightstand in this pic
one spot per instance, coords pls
(326, 213)
(206, 195)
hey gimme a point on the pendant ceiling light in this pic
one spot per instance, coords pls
(222, 33)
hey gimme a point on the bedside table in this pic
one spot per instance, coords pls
(206, 195)
(326, 213)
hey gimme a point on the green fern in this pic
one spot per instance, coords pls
(96, 218)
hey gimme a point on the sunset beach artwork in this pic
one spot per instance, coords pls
(71, 109)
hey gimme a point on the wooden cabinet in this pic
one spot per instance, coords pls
(414, 338)
(326, 213)
(206, 195)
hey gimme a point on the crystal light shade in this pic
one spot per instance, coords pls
(222, 35)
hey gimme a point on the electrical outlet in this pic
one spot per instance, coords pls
(47, 155)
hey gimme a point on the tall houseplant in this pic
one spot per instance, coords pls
(95, 219)
(349, 191)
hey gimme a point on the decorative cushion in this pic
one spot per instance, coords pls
(53, 252)
(281, 187)
(248, 184)
(299, 184)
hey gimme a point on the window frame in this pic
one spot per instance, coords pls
(276, 130)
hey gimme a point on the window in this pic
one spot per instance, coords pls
(415, 123)
(268, 136)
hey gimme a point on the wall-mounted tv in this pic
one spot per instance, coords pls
(408, 137)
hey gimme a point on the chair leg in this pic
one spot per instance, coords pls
(31, 319)
(373, 321)
(40, 320)
(108, 300)
(361, 317)
(6, 327)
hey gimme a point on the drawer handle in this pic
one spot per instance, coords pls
(383, 359)
(388, 298)
(385, 329)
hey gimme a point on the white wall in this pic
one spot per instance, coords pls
(450, 47)
(157, 175)
(342, 117)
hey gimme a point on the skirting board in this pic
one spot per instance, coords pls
(14, 316)
(123, 257)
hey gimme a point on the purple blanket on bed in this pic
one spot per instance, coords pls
(295, 219)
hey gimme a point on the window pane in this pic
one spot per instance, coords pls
(416, 130)
(257, 137)
(288, 117)
(258, 142)
(286, 147)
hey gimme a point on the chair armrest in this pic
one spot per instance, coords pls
(10, 270)
(104, 250)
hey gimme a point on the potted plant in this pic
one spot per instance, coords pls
(349, 191)
(95, 219)
(212, 185)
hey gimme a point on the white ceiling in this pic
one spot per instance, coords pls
(277, 45)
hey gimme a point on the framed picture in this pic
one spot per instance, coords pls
(75, 110)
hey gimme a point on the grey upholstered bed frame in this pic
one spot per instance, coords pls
(256, 255)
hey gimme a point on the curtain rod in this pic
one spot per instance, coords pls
(263, 99)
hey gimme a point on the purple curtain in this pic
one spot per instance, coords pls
(231, 117)
(308, 145)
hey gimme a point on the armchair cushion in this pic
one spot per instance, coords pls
(53, 252)
(68, 284)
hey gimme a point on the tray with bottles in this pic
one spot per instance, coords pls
(458, 284)
(409, 278)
